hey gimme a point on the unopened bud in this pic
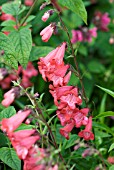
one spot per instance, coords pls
(43, 5)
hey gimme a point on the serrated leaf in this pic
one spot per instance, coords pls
(111, 93)
(111, 147)
(9, 52)
(40, 51)
(7, 112)
(105, 114)
(13, 8)
(76, 6)
(9, 157)
(22, 42)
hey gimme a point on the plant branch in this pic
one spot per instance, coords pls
(29, 12)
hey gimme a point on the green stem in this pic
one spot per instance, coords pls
(29, 12)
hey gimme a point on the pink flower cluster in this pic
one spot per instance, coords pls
(66, 98)
(23, 141)
(28, 2)
(101, 21)
(83, 35)
(6, 78)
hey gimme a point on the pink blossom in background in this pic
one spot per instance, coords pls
(101, 21)
(29, 2)
(76, 36)
(5, 17)
(87, 133)
(83, 35)
(47, 32)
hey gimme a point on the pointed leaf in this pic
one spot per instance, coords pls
(76, 6)
(111, 147)
(105, 114)
(7, 112)
(111, 93)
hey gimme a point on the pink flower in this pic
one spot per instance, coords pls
(23, 145)
(26, 82)
(76, 36)
(5, 17)
(52, 67)
(67, 129)
(105, 20)
(47, 32)
(80, 117)
(8, 125)
(30, 71)
(92, 33)
(19, 135)
(10, 96)
(66, 96)
(45, 16)
(29, 2)
(3, 73)
(86, 133)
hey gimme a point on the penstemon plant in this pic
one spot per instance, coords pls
(49, 125)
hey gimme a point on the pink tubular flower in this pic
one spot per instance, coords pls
(105, 20)
(47, 32)
(8, 125)
(80, 117)
(19, 135)
(23, 145)
(76, 36)
(67, 129)
(29, 2)
(52, 67)
(86, 133)
(34, 158)
(10, 96)
(92, 33)
(67, 96)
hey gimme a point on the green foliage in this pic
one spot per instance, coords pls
(111, 147)
(22, 42)
(7, 112)
(10, 55)
(10, 158)
(76, 6)
(111, 93)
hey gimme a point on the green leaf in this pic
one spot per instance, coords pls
(38, 52)
(24, 127)
(105, 114)
(68, 143)
(30, 18)
(111, 147)
(76, 6)
(8, 23)
(9, 51)
(103, 127)
(111, 93)
(3, 140)
(22, 42)
(111, 168)
(9, 157)
(7, 112)
(13, 8)
(96, 67)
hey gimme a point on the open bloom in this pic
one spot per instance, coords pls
(66, 96)
(47, 32)
(8, 125)
(87, 133)
(67, 129)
